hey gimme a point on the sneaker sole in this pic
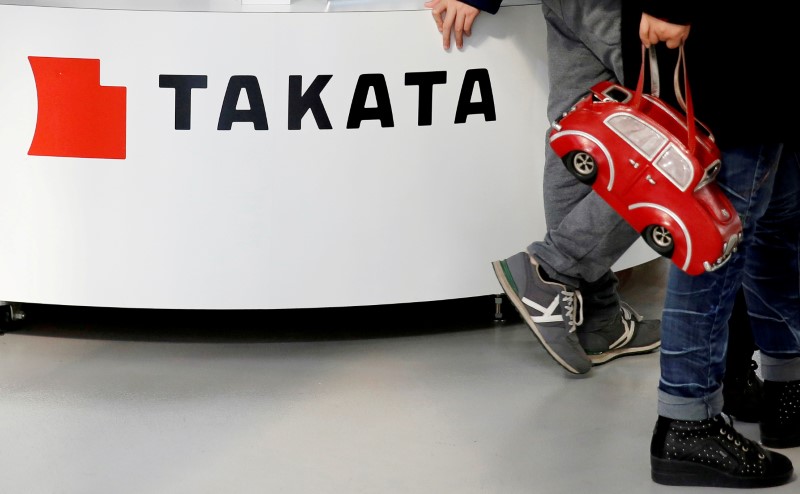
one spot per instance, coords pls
(602, 358)
(675, 472)
(500, 273)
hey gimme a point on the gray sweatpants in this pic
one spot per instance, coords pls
(585, 236)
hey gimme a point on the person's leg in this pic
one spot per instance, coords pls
(583, 48)
(697, 308)
(741, 387)
(772, 289)
(695, 317)
(586, 236)
(551, 307)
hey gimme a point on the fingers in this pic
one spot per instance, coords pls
(454, 20)
(431, 4)
(458, 30)
(437, 7)
(653, 31)
(447, 27)
(461, 26)
(468, 25)
(644, 31)
(673, 35)
(677, 36)
(437, 17)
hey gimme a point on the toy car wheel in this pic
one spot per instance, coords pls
(659, 239)
(582, 165)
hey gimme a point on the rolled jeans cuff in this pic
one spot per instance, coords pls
(780, 370)
(682, 408)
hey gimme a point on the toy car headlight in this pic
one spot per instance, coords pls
(676, 166)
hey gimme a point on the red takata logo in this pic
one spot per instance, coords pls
(78, 118)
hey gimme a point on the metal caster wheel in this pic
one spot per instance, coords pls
(11, 313)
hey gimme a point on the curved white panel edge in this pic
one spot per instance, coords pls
(200, 218)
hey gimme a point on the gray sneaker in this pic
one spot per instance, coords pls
(627, 334)
(551, 310)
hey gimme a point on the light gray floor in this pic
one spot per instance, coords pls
(442, 401)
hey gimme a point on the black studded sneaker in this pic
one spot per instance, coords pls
(711, 453)
(780, 422)
(743, 394)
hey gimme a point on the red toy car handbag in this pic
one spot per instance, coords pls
(648, 161)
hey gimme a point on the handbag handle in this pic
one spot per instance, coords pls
(685, 103)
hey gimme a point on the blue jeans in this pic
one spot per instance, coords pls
(763, 183)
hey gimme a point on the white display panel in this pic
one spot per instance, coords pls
(379, 213)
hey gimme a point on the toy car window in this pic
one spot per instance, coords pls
(676, 167)
(641, 136)
(617, 94)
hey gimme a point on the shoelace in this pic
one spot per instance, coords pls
(629, 313)
(573, 308)
(629, 319)
(727, 430)
(751, 375)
